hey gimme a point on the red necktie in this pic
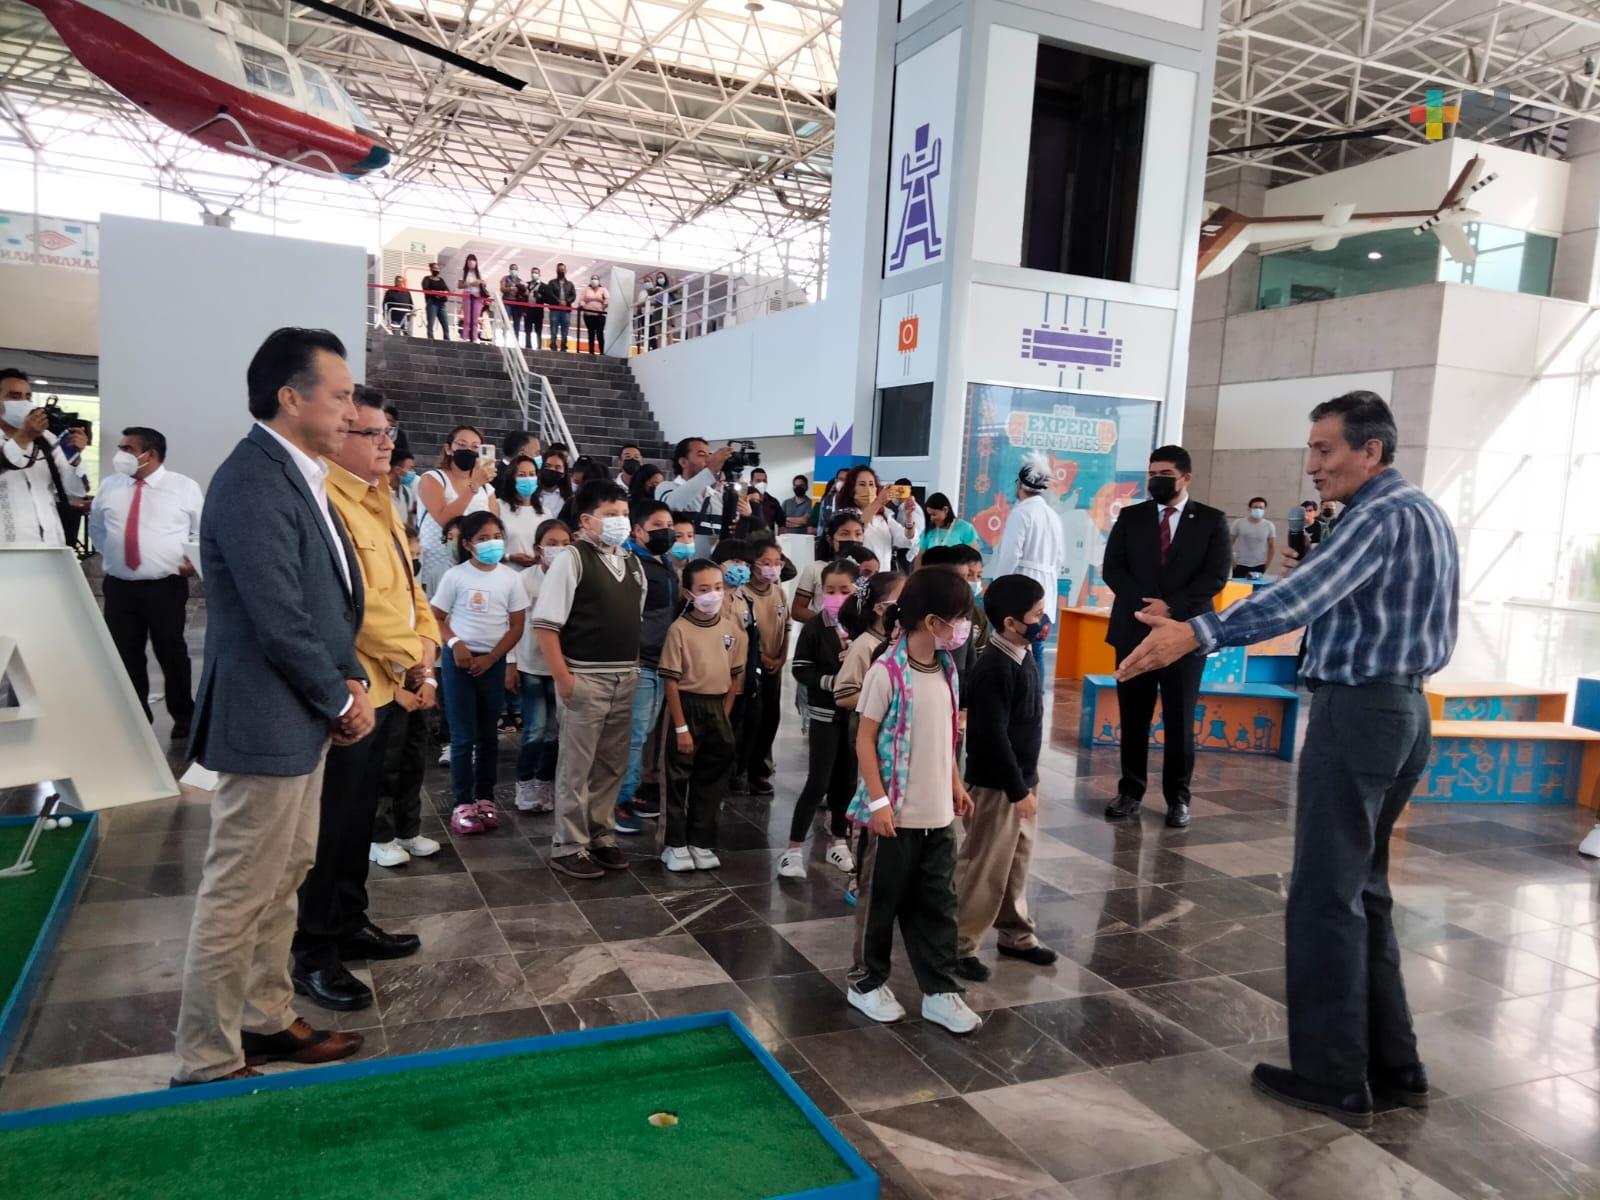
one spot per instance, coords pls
(130, 552)
(1166, 531)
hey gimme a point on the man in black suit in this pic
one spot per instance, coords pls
(281, 683)
(1169, 555)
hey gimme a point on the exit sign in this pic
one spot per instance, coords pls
(800, 425)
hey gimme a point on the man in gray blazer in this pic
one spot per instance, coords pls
(280, 682)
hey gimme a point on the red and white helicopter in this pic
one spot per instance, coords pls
(200, 67)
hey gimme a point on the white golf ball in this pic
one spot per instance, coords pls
(50, 823)
(64, 823)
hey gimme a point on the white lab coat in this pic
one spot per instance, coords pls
(1032, 544)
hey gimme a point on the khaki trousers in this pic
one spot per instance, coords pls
(992, 874)
(596, 732)
(236, 976)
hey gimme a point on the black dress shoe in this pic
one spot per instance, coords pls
(1122, 807)
(180, 729)
(1039, 956)
(371, 942)
(1177, 816)
(332, 987)
(972, 968)
(1403, 1085)
(1352, 1106)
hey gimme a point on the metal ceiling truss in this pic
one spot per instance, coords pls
(1294, 68)
(658, 113)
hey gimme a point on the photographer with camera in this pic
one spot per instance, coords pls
(35, 471)
(700, 493)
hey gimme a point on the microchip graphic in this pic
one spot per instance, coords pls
(1063, 348)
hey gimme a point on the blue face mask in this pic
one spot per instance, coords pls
(977, 587)
(526, 485)
(736, 574)
(408, 478)
(489, 552)
(1038, 630)
(538, 461)
(682, 550)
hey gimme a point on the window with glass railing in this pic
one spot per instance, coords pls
(1510, 260)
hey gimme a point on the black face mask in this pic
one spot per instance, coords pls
(550, 480)
(629, 466)
(801, 490)
(660, 541)
(464, 460)
(416, 566)
(843, 548)
(1162, 488)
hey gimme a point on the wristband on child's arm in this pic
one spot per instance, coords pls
(880, 802)
(680, 729)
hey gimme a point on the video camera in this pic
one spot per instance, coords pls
(745, 456)
(58, 420)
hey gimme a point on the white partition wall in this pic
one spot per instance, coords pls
(182, 310)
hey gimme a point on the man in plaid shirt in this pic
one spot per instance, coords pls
(1378, 600)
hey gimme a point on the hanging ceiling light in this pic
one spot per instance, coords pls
(753, 6)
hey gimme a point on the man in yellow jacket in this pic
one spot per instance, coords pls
(397, 644)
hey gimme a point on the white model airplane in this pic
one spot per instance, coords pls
(1225, 234)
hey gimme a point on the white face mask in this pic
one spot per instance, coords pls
(16, 411)
(124, 463)
(594, 283)
(614, 531)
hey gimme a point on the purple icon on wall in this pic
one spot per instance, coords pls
(918, 221)
(1082, 345)
(1060, 347)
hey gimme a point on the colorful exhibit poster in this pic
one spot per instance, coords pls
(1099, 450)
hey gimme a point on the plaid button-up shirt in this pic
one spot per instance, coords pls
(1378, 596)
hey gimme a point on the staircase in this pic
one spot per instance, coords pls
(438, 385)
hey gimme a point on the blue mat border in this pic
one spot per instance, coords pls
(14, 1013)
(863, 1187)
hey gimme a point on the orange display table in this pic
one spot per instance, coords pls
(1081, 634)
(1081, 642)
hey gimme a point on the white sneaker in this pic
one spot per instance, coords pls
(879, 1004)
(419, 846)
(704, 860)
(389, 854)
(839, 856)
(544, 795)
(444, 757)
(677, 858)
(792, 865)
(527, 795)
(951, 1011)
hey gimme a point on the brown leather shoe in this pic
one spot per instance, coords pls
(298, 1044)
(241, 1073)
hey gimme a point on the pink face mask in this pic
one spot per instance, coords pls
(768, 573)
(960, 630)
(832, 604)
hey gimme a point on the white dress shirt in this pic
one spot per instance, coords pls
(169, 517)
(27, 499)
(315, 472)
(1175, 521)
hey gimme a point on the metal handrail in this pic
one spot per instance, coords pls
(551, 424)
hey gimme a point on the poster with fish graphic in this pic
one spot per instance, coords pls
(1098, 447)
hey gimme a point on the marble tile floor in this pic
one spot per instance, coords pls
(1119, 1074)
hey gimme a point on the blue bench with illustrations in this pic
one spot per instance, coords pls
(1232, 715)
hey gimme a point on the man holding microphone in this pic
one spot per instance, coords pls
(1378, 600)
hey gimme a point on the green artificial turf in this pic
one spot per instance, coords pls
(25, 901)
(568, 1124)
